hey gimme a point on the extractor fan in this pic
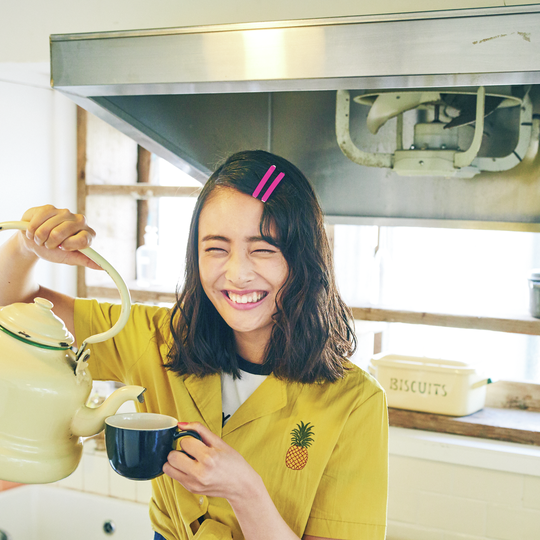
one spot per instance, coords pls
(447, 144)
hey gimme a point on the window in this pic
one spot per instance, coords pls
(140, 206)
(173, 220)
(445, 271)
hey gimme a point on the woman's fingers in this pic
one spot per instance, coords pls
(177, 473)
(37, 218)
(209, 438)
(192, 448)
(51, 227)
(57, 235)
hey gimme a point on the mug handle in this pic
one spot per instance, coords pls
(187, 433)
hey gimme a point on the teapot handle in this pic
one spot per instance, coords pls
(116, 277)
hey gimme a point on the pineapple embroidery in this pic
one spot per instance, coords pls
(297, 454)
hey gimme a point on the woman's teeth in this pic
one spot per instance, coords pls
(250, 298)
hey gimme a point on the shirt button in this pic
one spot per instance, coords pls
(201, 501)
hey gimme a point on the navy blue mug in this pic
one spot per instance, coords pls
(138, 443)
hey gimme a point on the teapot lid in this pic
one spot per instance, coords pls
(36, 324)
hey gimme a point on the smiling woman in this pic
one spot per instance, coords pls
(253, 356)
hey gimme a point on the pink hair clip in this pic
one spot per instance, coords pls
(273, 185)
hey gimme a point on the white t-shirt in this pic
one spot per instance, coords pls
(235, 391)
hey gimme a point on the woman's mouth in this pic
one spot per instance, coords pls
(246, 301)
(247, 298)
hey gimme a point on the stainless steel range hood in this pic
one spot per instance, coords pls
(194, 95)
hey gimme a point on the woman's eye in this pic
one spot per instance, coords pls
(214, 250)
(264, 251)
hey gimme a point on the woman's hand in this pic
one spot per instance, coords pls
(57, 235)
(216, 470)
(54, 235)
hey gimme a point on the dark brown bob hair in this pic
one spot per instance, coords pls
(312, 335)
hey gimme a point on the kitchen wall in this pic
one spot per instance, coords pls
(431, 500)
(37, 152)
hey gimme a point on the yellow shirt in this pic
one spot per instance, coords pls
(336, 487)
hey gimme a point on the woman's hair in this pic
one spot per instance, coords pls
(312, 334)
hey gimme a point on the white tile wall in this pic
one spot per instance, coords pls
(95, 475)
(459, 536)
(404, 531)
(431, 500)
(95, 468)
(74, 481)
(511, 523)
(487, 485)
(531, 493)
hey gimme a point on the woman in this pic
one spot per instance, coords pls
(252, 357)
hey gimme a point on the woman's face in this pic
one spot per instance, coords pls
(240, 273)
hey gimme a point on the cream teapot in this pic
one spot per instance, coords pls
(45, 385)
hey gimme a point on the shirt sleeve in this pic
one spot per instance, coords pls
(351, 500)
(111, 359)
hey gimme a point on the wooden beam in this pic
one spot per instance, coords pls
(513, 325)
(144, 162)
(82, 121)
(528, 326)
(142, 191)
(500, 424)
(514, 395)
(377, 342)
(137, 295)
(330, 233)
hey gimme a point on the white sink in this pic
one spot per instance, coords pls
(40, 512)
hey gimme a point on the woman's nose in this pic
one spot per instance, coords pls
(239, 269)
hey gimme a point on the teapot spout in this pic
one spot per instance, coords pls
(89, 421)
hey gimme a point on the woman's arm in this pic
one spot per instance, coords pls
(54, 235)
(259, 518)
(218, 470)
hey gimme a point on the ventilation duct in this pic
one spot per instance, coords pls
(449, 140)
